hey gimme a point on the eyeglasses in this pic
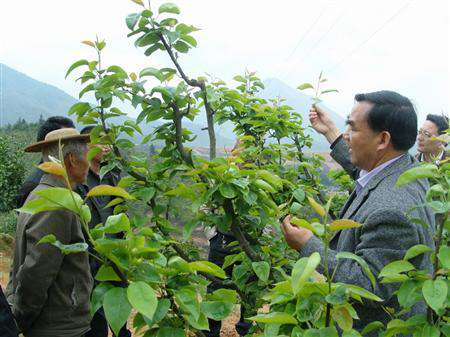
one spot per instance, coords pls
(425, 133)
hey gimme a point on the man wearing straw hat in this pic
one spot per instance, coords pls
(49, 292)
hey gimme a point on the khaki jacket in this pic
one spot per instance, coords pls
(49, 291)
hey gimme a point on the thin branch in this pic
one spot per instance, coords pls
(177, 120)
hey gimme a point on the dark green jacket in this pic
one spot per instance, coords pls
(49, 291)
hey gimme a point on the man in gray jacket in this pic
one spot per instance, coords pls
(49, 291)
(382, 127)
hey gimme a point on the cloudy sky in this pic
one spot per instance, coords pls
(361, 45)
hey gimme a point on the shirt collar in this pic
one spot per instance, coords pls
(366, 176)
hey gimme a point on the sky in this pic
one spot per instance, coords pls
(361, 45)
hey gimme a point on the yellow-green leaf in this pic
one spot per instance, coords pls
(52, 168)
(109, 190)
(343, 224)
(317, 207)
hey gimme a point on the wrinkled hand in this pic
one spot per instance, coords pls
(296, 237)
(322, 123)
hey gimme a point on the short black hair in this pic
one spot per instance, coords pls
(87, 129)
(440, 121)
(393, 113)
(52, 124)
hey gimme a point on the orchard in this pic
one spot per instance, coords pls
(156, 275)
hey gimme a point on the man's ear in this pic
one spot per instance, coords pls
(384, 140)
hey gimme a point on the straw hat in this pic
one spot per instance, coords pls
(63, 135)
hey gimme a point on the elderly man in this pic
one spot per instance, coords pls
(430, 149)
(382, 127)
(49, 291)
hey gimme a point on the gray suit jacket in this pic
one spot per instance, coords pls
(385, 236)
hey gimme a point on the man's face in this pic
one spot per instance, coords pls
(362, 140)
(425, 144)
(77, 167)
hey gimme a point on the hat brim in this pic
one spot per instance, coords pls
(37, 147)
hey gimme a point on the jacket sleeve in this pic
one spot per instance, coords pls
(379, 245)
(340, 153)
(41, 264)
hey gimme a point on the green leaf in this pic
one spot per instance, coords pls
(184, 29)
(409, 293)
(179, 264)
(169, 7)
(181, 46)
(372, 326)
(189, 39)
(444, 256)
(361, 262)
(79, 108)
(97, 296)
(93, 152)
(151, 72)
(38, 205)
(322, 332)
(227, 191)
(208, 267)
(415, 251)
(274, 317)
(361, 292)
(419, 172)
(170, 332)
(117, 223)
(161, 310)
(317, 228)
(76, 65)
(305, 86)
(73, 248)
(217, 310)
(101, 190)
(328, 91)
(435, 293)
(132, 19)
(62, 197)
(429, 331)
(225, 295)
(106, 273)
(351, 333)
(299, 195)
(143, 298)
(395, 268)
(117, 308)
(186, 298)
(262, 270)
(302, 271)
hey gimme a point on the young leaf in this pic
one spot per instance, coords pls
(208, 267)
(305, 86)
(169, 8)
(88, 43)
(143, 298)
(216, 310)
(76, 65)
(395, 268)
(315, 227)
(117, 223)
(343, 224)
(106, 273)
(317, 207)
(415, 251)
(102, 190)
(302, 270)
(52, 168)
(419, 172)
(274, 317)
(362, 263)
(444, 256)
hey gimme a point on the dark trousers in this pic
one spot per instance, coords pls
(8, 326)
(218, 250)
(99, 326)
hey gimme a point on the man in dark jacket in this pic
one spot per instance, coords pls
(382, 127)
(49, 291)
(51, 124)
(100, 212)
(430, 149)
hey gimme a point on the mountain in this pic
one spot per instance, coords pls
(24, 97)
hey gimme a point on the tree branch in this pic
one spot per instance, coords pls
(177, 120)
(237, 232)
(201, 85)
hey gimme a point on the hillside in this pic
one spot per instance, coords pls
(27, 98)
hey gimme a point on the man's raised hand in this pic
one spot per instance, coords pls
(323, 124)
